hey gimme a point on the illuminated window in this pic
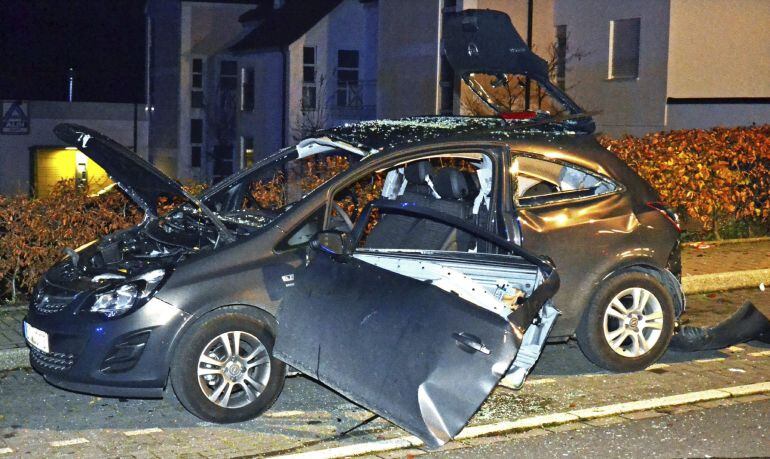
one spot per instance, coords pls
(247, 152)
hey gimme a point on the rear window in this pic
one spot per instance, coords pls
(539, 181)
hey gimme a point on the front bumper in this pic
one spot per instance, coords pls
(125, 357)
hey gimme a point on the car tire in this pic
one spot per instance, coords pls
(619, 336)
(218, 384)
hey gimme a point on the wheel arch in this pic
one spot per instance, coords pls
(661, 273)
(262, 312)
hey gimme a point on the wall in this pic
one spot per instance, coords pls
(408, 56)
(114, 120)
(164, 70)
(719, 51)
(264, 123)
(719, 48)
(207, 30)
(350, 26)
(634, 106)
(706, 116)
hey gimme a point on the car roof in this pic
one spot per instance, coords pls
(384, 136)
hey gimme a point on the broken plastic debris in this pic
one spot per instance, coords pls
(762, 287)
(747, 323)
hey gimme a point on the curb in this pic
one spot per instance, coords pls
(534, 422)
(706, 283)
(727, 241)
(13, 359)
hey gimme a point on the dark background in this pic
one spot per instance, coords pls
(103, 40)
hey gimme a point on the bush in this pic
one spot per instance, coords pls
(34, 232)
(718, 180)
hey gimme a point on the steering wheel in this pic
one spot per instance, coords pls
(344, 215)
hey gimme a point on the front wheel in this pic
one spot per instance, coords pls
(629, 322)
(223, 370)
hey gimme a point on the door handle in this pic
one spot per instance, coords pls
(470, 343)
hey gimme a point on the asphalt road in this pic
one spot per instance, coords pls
(739, 430)
(38, 420)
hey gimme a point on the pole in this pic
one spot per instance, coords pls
(529, 45)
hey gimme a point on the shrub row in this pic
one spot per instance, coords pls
(35, 232)
(718, 179)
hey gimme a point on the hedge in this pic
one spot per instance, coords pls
(718, 180)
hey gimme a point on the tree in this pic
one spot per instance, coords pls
(314, 118)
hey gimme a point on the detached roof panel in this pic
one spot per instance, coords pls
(285, 25)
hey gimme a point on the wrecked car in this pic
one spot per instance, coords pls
(407, 264)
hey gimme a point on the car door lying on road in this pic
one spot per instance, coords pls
(417, 336)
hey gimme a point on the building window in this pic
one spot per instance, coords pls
(196, 94)
(309, 88)
(348, 89)
(247, 89)
(624, 48)
(196, 141)
(561, 56)
(228, 75)
(247, 152)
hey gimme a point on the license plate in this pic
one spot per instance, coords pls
(36, 338)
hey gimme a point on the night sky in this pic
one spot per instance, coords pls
(103, 40)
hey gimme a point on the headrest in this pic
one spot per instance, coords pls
(416, 172)
(450, 184)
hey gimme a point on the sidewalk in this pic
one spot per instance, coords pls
(710, 268)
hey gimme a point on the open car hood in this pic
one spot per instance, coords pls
(142, 181)
(485, 41)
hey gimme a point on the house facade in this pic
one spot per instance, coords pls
(231, 81)
(668, 64)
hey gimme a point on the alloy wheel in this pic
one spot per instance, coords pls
(633, 322)
(233, 369)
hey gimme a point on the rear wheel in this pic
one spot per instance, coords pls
(223, 369)
(629, 322)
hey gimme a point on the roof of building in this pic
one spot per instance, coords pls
(261, 11)
(284, 25)
(386, 135)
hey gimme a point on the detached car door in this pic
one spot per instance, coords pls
(411, 350)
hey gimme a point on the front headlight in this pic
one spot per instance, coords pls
(118, 301)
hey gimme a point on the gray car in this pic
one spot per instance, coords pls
(407, 264)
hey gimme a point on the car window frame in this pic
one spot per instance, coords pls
(618, 187)
(416, 154)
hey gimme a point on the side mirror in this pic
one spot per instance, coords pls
(331, 241)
